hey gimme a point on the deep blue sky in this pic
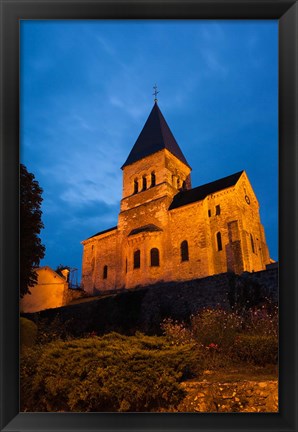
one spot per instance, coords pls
(86, 92)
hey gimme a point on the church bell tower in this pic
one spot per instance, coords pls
(156, 166)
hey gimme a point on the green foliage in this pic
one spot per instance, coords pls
(256, 349)
(28, 365)
(55, 329)
(28, 333)
(109, 373)
(31, 248)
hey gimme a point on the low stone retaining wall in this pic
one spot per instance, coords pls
(144, 309)
(240, 396)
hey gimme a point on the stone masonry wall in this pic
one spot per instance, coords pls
(144, 309)
(98, 253)
(242, 396)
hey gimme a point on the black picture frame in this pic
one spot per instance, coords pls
(287, 13)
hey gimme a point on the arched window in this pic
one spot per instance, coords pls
(218, 240)
(136, 186)
(184, 251)
(252, 243)
(217, 210)
(137, 259)
(105, 272)
(144, 183)
(153, 179)
(154, 257)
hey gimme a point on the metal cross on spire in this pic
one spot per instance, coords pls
(155, 92)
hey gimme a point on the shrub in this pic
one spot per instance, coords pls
(109, 373)
(28, 362)
(28, 333)
(260, 350)
(56, 329)
(176, 332)
(262, 321)
(216, 326)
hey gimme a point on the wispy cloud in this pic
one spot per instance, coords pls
(214, 63)
(107, 47)
(84, 178)
(93, 223)
(81, 123)
(212, 31)
(87, 91)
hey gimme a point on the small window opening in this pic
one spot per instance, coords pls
(144, 183)
(184, 251)
(153, 179)
(126, 265)
(178, 183)
(154, 257)
(209, 213)
(105, 272)
(217, 210)
(137, 259)
(136, 186)
(252, 243)
(184, 185)
(219, 242)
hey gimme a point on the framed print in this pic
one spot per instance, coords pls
(182, 224)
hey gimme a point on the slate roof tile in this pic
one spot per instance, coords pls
(103, 232)
(145, 228)
(155, 136)
(199, 193)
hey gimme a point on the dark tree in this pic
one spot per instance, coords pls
(31, 248)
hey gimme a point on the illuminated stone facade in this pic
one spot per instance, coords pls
(168, 231)
(49, 292)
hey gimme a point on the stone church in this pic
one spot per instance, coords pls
(169, 231)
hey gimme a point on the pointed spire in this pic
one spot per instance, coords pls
(155, 136)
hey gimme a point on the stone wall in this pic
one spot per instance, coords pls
(144, 309)
(72, 294)
(242, 396)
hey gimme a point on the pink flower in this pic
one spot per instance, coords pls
(212, 346)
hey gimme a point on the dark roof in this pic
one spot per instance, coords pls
(155, 136)
(145, 228)
(197, 194)
(102, 232)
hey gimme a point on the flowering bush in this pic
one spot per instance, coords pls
(262, 321)
(176, 332)
(212, 326)
(221, 337)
